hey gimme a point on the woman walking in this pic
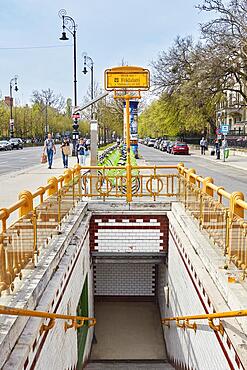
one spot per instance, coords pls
(81, 152)
(65, 148)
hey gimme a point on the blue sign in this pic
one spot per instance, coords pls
(224, 129)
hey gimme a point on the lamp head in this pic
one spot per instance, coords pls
(64, 36)
(16, 88)
(84, 70)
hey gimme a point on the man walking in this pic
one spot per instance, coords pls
(50, 148)
(203, 146)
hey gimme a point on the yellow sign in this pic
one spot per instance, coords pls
(127, 77)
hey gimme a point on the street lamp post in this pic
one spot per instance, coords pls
(88, 62)
(67, 20)
(12, 83)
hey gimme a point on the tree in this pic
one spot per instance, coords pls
(187, 97)
(47, 101)
(225, 45)
(48, 98)
(109, 113)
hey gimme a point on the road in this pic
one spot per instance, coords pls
(15, 160)
(231, 178)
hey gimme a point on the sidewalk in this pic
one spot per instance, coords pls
(236, 161)
(29, 179)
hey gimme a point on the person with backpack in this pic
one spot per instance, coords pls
(50, 149)
(65, 148)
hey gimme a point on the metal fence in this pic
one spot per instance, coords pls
(22, 242)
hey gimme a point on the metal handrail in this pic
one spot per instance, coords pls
(184, 321)
(216, 315)
(76, 321)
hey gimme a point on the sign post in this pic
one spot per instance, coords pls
(127, 78)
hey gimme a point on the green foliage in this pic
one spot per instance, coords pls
(30, 121)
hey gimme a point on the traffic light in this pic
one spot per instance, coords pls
(75, 125)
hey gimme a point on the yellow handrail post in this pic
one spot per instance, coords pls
(53, 182)
(191, 179)
(35, 246)
(73, 187)
(59, 199)
(27, 206)
(236, 209)
(3, 272)
(67, 176)
(77, 175)
(227, 237)
(205, 188)
(5, 213)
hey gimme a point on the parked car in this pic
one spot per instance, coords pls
(157, 143)
(16, 143)
(151, 142)
(163, 146)
(169, 147)
(2, 145)
(5, 145)
(180, 148)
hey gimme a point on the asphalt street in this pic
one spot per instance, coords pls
(232, 179)
(16, 160)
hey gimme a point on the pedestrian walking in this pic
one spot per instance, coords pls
(217, 148)
(81, 152)
(65, 149)
(203, 145)
(225, 149)
(50, 149)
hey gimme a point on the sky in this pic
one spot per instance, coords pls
(109, 31)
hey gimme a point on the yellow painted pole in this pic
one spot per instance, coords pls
(128, 166)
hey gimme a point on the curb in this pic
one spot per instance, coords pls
(220, 162)
(24, 170)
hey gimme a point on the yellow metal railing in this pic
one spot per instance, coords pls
(74, 321)
(218, 212)
(184, 322)
(41, 212)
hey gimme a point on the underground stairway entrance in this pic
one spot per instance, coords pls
(128, 334)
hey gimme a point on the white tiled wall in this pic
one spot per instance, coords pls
(124, 279)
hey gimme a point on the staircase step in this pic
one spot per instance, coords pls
(118, 365)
